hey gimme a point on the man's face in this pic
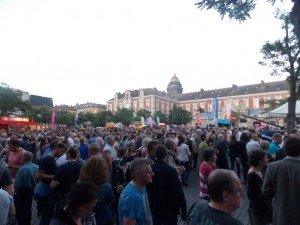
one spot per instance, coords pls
(58, 152)
(235, 198)
(147, 175)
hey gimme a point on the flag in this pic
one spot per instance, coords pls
(53, 119)
(143, 121)
(216, 108)
(158, 120)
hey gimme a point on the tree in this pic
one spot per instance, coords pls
(102, 118)
(162, 117)
(179, 116)
(11, 100)
(283, 57)
(44, 114)
(240, 10)
(124, 116)
(65, 117)
(143, 113)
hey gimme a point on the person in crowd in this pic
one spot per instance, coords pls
(130, 152)
(24, 189)
(221, 148)
(5, 176)
(65, 176)
(166, 196)
(242, 154)
(151, 151)
(116, 179)
(94, 150)
(95, 170)
(233, 154)
(7, 206)
(109, 146)
(264, 145)
(274, 146)
(183, 155)
(282, 182)
(172, 159)
(209, 164)
(197, 141)
(46, 198)
(225, 192)
(14, 156)
(83, 149)
(253, 144)
(257, 205)
(142, 151)
(80, 202)
(133, 204)
(202, 146)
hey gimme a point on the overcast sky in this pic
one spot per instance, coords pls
(79, 51)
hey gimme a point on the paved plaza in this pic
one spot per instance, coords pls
(191, 195)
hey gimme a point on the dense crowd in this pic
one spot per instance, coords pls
(128, 176)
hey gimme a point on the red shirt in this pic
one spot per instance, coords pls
(14, 159)
(204, 171)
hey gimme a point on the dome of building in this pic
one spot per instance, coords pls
(174, 78)
(174, 86)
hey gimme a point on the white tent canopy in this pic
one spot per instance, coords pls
(282, 111)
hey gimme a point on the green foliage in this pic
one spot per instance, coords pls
(102, 117)
(44, 114)
(283, 55)
(86, 117)
(65, 117)
(179, 116)
(162, 117)
(11, 100)
(143, 113)
(235, 9)
(124, 116)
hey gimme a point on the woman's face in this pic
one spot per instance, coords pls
(84, 210)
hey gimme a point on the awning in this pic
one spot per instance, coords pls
(18, 123)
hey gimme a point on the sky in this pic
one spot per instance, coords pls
(79, 51)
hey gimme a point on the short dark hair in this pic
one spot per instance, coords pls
(151, 145)
(60, 145)
(161, 152)
(81, 193)
(14, 142)
(292, 146)
(219, 181)
(208, 153)
(73, 152)
(202, 137)
(256, 156)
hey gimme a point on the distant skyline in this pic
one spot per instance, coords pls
(86, 51)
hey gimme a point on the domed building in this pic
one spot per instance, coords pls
(246, 96)
(174, 87)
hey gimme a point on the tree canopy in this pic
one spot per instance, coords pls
(11, 100)
(124, 116)
(179, 116)
(283, 57)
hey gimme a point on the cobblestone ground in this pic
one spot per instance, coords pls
(191, 195)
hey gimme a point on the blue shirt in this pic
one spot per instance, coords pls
(133, 204)
(83, 150)
(26, 176)
(273, 148)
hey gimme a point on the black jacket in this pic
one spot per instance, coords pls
(165, 193)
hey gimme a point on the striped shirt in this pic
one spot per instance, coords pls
(204, 171)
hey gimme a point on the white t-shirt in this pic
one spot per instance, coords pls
(183, 153)
(5, 201)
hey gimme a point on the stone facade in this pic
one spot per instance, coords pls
(237, 97)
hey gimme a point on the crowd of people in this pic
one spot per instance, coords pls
(128, 176)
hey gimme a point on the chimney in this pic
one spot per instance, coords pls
(234, 87)
(201, 91)
(262, 83)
